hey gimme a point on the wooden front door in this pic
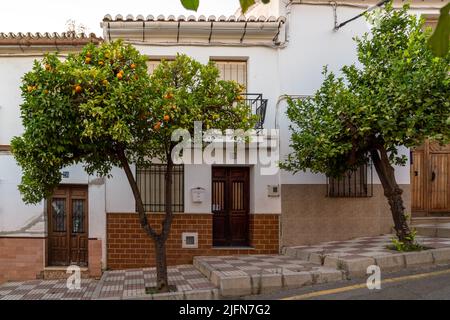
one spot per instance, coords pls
(67, 211)
(230, 206)
(430, 179)
(439, 182)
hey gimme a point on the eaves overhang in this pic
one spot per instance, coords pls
(190, 30)
(38, 43)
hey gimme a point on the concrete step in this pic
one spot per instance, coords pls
(429, 220)
(53, 273)
(255, 274)
(439, 230)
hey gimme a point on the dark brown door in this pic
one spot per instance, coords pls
(230, 206)
(68, 226)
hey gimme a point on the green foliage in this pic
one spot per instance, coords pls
(184, 91)
(410, 244)
(190, 4)
(78, 110)
(245, 4)
(439, 41)
(399, 95)
(88, 107)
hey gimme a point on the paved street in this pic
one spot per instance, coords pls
(431, 283)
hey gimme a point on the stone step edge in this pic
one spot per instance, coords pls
(358, 267)
(241, 285)
(433, 231)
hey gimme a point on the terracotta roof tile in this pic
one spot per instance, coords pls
(43, 39)
(202, 18)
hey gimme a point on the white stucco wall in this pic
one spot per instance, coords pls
(15, 215)
(313, 43)
(12, 69)
(294, 69)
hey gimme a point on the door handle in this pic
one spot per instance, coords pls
(416, 173)
(433, 176)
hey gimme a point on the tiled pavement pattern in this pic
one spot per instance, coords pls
(46, 290)
(132, 282)
(257, 264)
(121, 284)
(367, 246)
(241, 275)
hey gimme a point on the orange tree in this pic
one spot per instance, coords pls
(398, 96)
(100, 108)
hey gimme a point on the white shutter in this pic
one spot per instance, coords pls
(233, 70)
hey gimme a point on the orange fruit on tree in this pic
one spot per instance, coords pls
(132, 66)
(87, 60)
(157, 126)
(119, 75)
(166, 118)
(105, 82)
(78, 88)
(101, 62)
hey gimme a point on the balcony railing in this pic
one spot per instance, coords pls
(258, 106)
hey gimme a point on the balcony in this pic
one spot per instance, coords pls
(258, 106)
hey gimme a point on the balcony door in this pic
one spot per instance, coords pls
(67, 211)
(230, 206)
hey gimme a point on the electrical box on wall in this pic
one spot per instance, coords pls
(198, 195)
(189, 240)
(273, 190)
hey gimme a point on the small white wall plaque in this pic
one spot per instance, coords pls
(198, 195)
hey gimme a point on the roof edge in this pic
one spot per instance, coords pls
(40, 42)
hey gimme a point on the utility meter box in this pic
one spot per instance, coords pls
(198, 195)
(273, 190)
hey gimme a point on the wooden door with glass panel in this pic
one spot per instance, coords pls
(230, 206)
(68, 226)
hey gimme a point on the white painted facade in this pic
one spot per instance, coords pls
(308, 42)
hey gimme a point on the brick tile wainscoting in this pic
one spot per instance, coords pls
(129, 247)
(95, 258)
(21, 258)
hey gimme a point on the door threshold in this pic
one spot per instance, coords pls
(63, 268)
(234, 248)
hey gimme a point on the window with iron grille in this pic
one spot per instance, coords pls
(352, 184)
(151, 184)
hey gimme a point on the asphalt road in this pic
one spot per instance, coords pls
(431, 283)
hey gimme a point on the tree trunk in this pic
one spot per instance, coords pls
(392, 192)
(162, 280)
(160, 245)
(159, 240)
